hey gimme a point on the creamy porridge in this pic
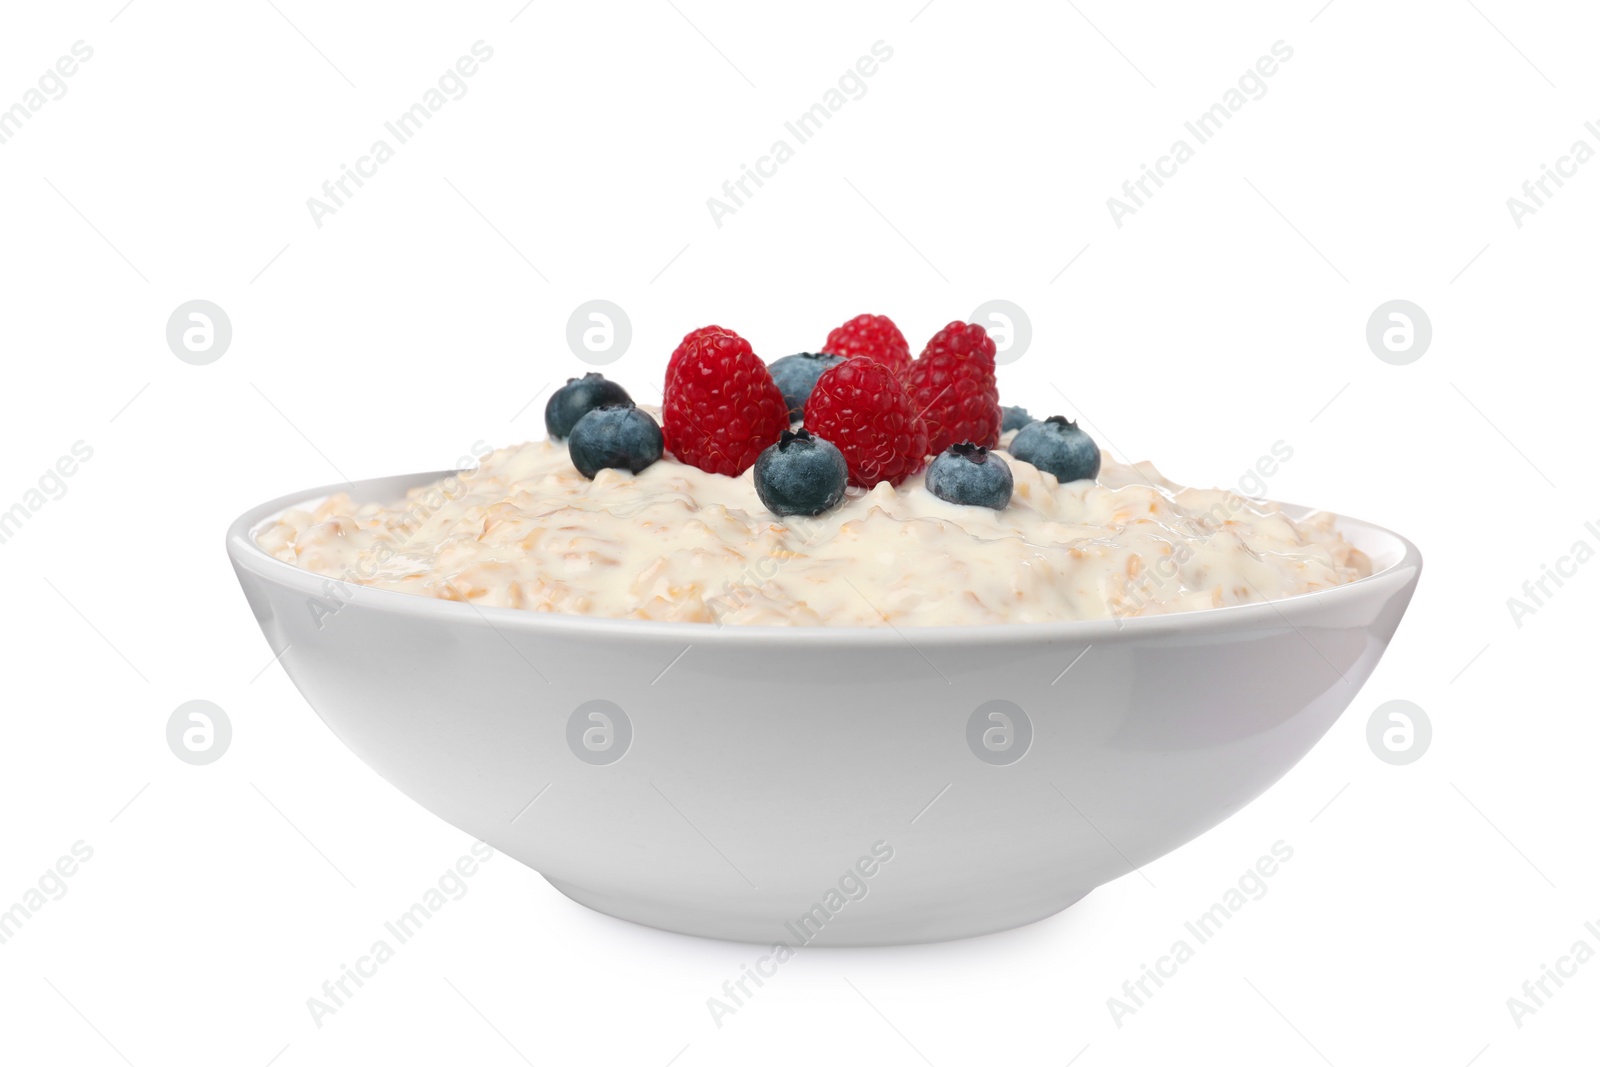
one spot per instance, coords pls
(673, 542)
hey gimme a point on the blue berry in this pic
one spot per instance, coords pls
(970, 474)
(616, 436)
(577, 398)
(1059, 447)
(1014, 418)
(800, 475)
(797, 375)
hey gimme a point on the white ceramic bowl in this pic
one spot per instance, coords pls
(765, 773)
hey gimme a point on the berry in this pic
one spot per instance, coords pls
(800, 475)
(1014, 418)
(952, 386)
(1059, 447)
(694, 341)
(873, 337)
(614, 435)
(577, 398)
(861, 408)
(970, 474)
(722, 406)
(797, 375)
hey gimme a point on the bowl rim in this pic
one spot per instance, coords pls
(247, 555)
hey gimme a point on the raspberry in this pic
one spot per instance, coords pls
(691, 341)
(721, 406)
(952, 388)
(873, 336)
(860, 408)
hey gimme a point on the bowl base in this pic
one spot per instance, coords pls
(898, 928)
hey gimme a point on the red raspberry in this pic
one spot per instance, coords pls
(691, 341)
(873, 336)
(860, 408)
(721, 406)
(952, 387)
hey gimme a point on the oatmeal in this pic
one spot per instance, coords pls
(672, 542)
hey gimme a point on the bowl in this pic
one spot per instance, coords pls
(813, 785)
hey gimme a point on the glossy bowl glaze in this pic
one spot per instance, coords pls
(815, 785)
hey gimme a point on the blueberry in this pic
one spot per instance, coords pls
(1059, 447)
(1014, 418)
(577, 398)
(616, 436)
(797, 375)
(970, 474)
(800, 475)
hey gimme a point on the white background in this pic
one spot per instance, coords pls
(429, 312)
